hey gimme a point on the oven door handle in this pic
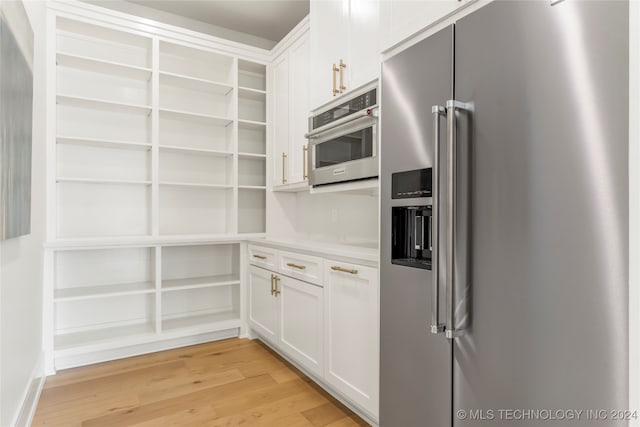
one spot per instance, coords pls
(371, 112)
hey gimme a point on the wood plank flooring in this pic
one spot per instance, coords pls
(235, 382)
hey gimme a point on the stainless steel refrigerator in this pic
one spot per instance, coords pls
(504, 142)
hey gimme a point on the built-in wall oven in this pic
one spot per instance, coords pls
(343, 141)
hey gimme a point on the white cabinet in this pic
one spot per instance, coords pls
(263, 304)
(401, 19)
(288, 314)
(345, 46)
(280, 107)
(290, 109)
(323, 315)
(351, 332)
(301, 311)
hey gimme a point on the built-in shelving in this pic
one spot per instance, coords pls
(104, 143)
(158, 160)
(91, 292)
(194, 116)
(102, 181)
(87, 63)
(95, 103)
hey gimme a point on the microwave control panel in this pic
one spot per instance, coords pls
(351, 106)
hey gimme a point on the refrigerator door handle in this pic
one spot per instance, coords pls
(436, 327)
(452, 162)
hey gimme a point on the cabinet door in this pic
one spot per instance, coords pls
(351, 332)
(263, 307)
(280, 107)
(329, 43)
(301, 306)
(298, 108)
(364, 59)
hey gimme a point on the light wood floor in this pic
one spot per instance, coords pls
(235, 382)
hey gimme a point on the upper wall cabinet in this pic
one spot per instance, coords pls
(289, 77)
(345, 46)
(400, 20)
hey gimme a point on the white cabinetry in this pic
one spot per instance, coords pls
(288, 314)
(400, 20)
(263, 304)
(301, 311)
(325, 319)
(351, 332)
(290, 109)
(345, 46)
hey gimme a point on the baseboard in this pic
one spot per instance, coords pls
(90, 358)
(31, 395)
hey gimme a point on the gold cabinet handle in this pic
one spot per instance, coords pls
(334, 70)
(305, 157)
(298, 266)
(276, 291)
(342, 67)
(284, 159)
(344, 270)
(260, 256)
(273, 286)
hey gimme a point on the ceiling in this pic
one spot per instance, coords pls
(268, 19)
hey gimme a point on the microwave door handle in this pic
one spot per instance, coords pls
(419, 232)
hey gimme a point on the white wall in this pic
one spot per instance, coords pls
(339, 217)
(21, 261)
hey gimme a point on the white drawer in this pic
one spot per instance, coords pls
(303, 267)
(263, 257)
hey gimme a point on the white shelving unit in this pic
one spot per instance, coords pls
(252, 99)
(158, 154)
(145, 292)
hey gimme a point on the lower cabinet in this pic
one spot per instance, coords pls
(288, 313)
(263, 305)
(330, 327)
(351, 336)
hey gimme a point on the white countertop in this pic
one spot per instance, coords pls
(364, 253)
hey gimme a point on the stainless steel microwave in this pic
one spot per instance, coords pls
(343, 141)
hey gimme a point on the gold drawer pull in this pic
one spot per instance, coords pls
(260, 257)
(299, 267)
(344, 270)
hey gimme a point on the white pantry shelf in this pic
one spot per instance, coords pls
(103, 291)
(104, 143)
(87, 63)
(197, 185)
(178, 149)
(204, 322)
(101, 181)
(194, 83)
(102, 104)
(200, 282)
(96, 336)
(187, 115)
(251, 156)
(251, 124)
(252, 94)
(252, 187)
